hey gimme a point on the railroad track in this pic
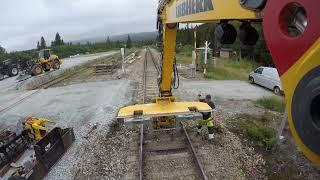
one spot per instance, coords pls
(151, 71)
(169, 153)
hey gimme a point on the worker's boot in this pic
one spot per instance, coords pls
(211, 133)
(211, 136)
(199, 130)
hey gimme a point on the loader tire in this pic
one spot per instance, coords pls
(1, 77)
(56, 64)
(36, 70)
(13, 71)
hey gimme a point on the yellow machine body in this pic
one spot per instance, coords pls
(36, 126)
(210, 10)
(290, 80)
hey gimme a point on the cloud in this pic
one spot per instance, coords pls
(22, 23)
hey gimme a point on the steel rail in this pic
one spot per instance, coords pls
(145, 77)
(154, 61)
(194, 154)
(141, 153)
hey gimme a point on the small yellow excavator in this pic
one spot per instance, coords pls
(291, 30)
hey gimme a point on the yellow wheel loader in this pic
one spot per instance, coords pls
(44, 61)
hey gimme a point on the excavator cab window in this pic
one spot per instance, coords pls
(41, 54)
(35, 55)
(46, 54)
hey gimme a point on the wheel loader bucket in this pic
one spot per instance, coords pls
(50, 149)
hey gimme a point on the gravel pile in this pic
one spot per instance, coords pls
(226, 157)
(104, 156)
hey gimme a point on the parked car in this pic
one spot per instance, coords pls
(267, 77)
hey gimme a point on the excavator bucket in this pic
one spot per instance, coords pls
(49, 150)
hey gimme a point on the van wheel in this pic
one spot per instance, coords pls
(251, 80)
(277, 90)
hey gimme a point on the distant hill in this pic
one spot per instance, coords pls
(145, 36)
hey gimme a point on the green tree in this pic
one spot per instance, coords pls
(118, 44)
(43, 44)
(108, 42)
(58, 41)
(38, 46)
(2, 51)
(129, 42)
(212, 37)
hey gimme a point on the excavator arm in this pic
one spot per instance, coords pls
(291, 30)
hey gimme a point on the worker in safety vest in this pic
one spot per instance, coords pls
(207, 118)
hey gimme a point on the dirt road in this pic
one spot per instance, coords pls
(233, 89)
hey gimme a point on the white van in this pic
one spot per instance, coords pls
(267, 77)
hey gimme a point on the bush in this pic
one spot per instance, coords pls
(264, 136)
(273, 103)
(186, 49)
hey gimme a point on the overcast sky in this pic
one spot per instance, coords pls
(23, 22)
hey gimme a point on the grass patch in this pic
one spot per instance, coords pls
(257, 128)
(264, 136)
(273, 103)
(230, 70)
(183, 59)
(186, 49)
(222, 70)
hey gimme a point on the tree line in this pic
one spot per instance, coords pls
(63, 50)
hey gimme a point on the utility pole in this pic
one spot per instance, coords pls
(195, 48)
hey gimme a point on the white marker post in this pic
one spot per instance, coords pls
(206, 57)
(122, 51)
